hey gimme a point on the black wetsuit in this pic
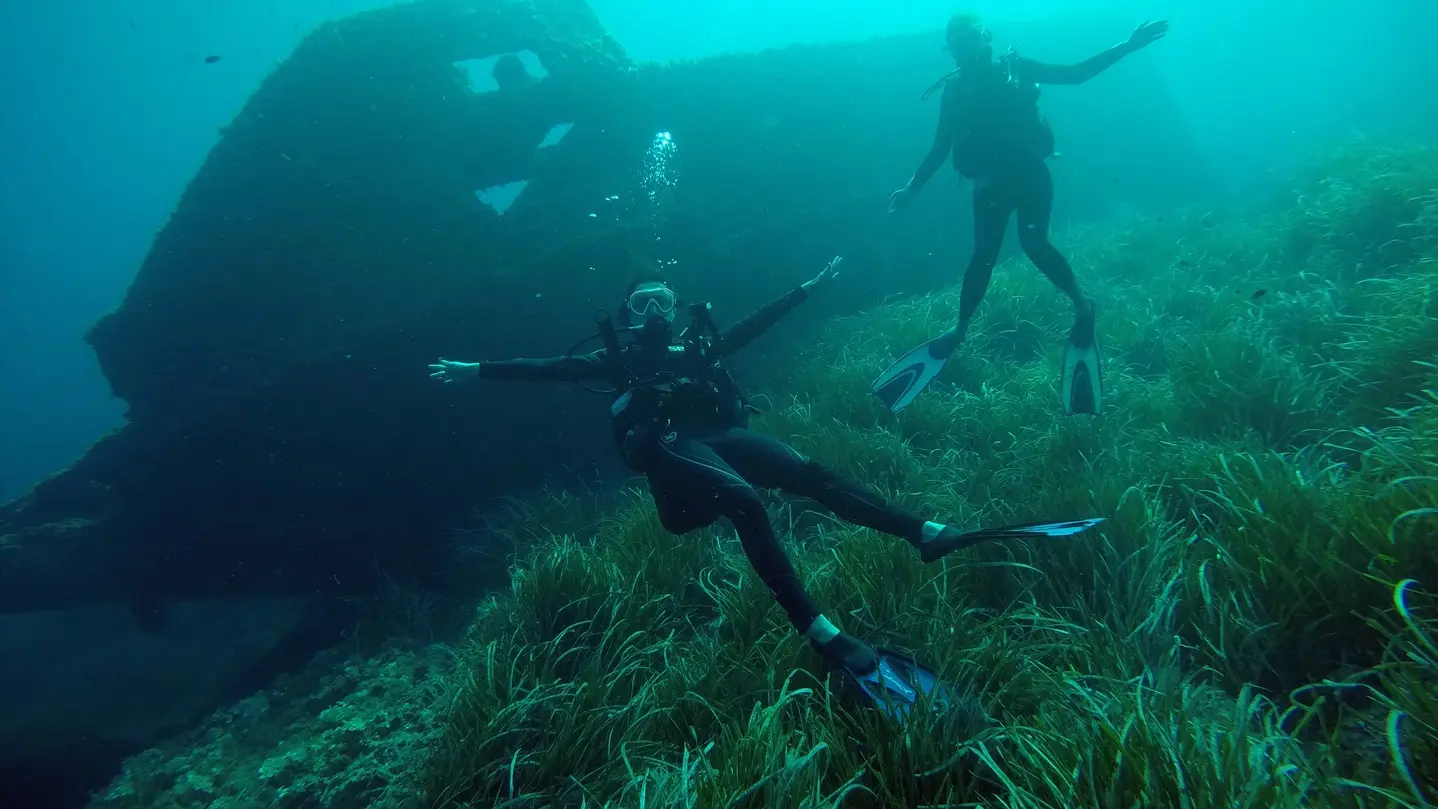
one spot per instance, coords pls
(703, 463)
(989, 121)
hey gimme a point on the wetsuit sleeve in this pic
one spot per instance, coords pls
(1043, 73)
(943, 140)
(547, 369)
(747, 330)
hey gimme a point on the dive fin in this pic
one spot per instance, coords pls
(910, 374)
(1082, 375)
(950, 540)
(898, 682)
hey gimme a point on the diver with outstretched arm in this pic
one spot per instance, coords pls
(990, 123)
(681, 420)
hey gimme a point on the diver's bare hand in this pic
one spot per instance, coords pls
(448, 371)
(900, 199)
(1146, 34)
(826, 275)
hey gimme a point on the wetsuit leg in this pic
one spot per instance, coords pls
(1035, 205)
(692, 485)
(767, 462)
(993, 205)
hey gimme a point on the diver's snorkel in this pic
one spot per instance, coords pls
(609, 336)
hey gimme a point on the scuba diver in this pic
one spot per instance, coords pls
(681, 420)
(990, 122)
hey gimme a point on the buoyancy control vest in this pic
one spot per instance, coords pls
(668, 388)
(998, 125)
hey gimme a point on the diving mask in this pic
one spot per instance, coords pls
(652, 299)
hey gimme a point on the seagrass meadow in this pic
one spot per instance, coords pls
(1253, 626)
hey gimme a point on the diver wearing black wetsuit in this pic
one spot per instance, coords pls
(681, 420)
(989, 122)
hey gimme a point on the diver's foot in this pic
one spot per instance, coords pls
(943, 345)
(937, 540)
(1085, 311)
(848, 653)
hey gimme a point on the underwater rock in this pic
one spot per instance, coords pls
(339, 733)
